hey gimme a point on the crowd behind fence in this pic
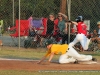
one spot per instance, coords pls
(39, 21)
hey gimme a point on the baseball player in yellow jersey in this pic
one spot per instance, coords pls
(68, 55)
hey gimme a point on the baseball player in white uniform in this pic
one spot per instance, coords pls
(72, 55)
(68, 54)
(82, 33)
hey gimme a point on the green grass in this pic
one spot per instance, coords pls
(27, 54)
(16, 72)
(35, 54)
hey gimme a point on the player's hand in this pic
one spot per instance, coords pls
(70, 21)
(59, 13)
(46, 63)
(38, 62)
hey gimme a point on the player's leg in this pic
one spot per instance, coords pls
(78, 36)
(73, 53)
(85, 57)
(64, 59)
(84, 42)
(87, 43)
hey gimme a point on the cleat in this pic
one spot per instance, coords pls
(76, 61)
(94, 59)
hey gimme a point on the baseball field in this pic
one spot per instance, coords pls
(14, 61)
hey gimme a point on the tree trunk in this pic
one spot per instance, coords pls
(63, 6)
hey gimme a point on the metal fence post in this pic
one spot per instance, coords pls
(19, 27)
(69, 16)
(13, 12)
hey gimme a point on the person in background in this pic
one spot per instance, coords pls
(63, 27)
(96, 33)
(50, 24)
(30, 19)
(50, 27)
(98, 23)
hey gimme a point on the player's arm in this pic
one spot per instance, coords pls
(51, 56)
(75, 23)
(64, 16)
(42, 59)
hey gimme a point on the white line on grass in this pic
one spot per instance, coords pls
(17, 59)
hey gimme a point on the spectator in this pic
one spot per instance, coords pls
(98, 23)
(94, 35)
(50, 24)
(30, 22)
(63, 27)
(98, 38)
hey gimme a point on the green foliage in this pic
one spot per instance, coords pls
(87, 8)
(42, 8)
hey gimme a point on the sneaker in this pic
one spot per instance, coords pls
(94, 59)
(76, 61)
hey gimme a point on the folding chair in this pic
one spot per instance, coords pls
(24, 30)
(38, 28)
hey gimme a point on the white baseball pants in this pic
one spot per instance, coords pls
(82, 39)
(71, 55)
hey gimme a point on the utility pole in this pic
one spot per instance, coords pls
(63, 6)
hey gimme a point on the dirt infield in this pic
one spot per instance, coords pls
(33, 66)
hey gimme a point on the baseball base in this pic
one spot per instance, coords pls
(89, 62)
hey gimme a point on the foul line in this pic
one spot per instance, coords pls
(17, 59)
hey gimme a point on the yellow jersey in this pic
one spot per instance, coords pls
(57, 48)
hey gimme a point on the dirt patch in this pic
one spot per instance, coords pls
(33, 66)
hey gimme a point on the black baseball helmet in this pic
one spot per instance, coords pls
(79, 19)
(48, 42)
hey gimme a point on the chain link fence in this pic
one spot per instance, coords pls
(37, 12)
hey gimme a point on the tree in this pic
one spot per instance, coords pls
(42, 8)
(63, 6)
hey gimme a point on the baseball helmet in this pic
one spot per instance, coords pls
(79, 19)
(98, 23)
(48, 42)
